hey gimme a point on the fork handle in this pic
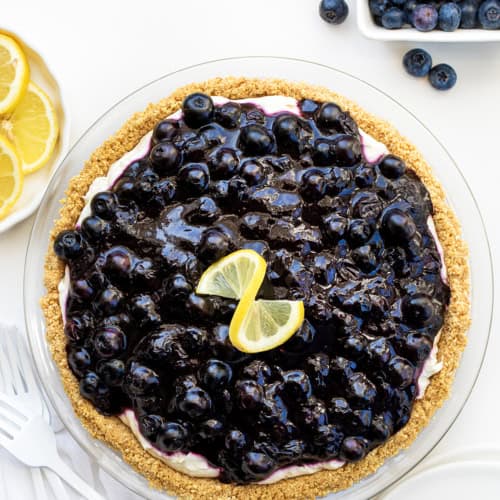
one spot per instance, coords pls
(73, 479)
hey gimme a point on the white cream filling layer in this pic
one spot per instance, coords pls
(191, 463)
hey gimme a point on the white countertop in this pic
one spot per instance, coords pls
(103, 50)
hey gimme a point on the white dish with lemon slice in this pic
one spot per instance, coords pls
(35, 183)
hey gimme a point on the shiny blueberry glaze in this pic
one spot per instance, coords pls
(347, 237)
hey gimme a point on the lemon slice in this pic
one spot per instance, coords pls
(14, 73)
(265, 324)
(233, 276)
(257, 325)
(33, 129)
(11, 177)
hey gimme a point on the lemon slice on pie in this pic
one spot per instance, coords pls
(33, 129)
(233, 276)
(11, 177)
(14, 73)
(265, 324)
(257, 325)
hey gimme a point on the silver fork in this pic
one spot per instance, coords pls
(31, 439)
(17, 378)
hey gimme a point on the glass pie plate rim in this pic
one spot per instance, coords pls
(369, 98)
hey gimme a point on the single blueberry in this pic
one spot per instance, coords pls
(449, 16)
(424, 17)
(68, 245)
(442, 77)
(417, 62)
(469, 10)
(393, 18)
(489, 15)
(333, 11)
(378, 7)
(198, 110)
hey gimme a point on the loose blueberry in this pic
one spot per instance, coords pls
(442, 77)
(450, 16)
(198, 110)
(489, 15)
(424, 17)
(417, 62)
(333, 11)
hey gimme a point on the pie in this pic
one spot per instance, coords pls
(349, 219)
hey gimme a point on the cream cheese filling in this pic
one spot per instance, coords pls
(190, 463)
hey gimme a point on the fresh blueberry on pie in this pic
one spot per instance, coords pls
(156, 317)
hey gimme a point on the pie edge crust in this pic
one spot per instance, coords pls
(453, 337)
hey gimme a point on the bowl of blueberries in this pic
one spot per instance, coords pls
(430, 20)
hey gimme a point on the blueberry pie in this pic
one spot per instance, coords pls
(355, 244)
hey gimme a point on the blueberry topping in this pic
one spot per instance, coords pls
(255, 140)
(171, 436)
(194, 178)
(69, 245)
(165, 157)
(165, 131)
(417, 62)
(392, 167)
(333, 11)
(348, 237)
(198, 110)
(442, 77)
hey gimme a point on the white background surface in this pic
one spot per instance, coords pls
(103, 50)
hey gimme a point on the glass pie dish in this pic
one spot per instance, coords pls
(370, 99)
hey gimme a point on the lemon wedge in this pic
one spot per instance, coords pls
(257, 325)
(11, 177)
(265, 324)
(241, 272)
(33, 129)
(14, 73)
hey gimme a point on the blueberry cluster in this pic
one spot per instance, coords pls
(445, 15)
(347, 237)
(418, 62)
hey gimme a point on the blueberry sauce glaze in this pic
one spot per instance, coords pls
(348, 237)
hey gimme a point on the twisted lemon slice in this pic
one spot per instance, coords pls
(257, 325)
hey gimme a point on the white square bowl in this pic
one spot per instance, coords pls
(370, 30)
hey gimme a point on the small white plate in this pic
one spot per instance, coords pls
(369, 29)
(36, 183)
(457, 481)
